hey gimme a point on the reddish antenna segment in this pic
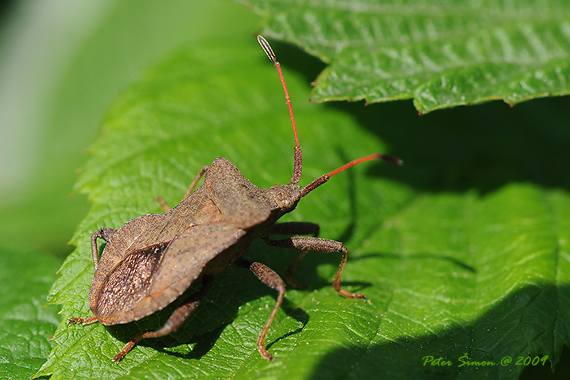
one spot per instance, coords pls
(323, 179)
(298, 165)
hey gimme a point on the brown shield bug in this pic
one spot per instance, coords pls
(153, 259)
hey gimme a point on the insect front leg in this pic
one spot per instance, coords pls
(295, 228)
(193, 185)
(176, 319)
(319, 245)
(271, 279)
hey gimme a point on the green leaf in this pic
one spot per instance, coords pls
(26, 325)
(440, 54)
(461, 254)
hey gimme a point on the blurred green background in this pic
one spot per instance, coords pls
(62, 63)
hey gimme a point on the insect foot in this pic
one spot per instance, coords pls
(152, 260)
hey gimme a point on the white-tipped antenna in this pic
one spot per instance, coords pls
(298, 165)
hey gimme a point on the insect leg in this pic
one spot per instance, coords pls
(84, 321)
(103, 233)
(319, 245)
(271, 279)
(295, 228)
(195, 181)
(193, 185)
(176, 319)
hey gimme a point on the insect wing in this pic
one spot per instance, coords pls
(127, 285)
(150, 278)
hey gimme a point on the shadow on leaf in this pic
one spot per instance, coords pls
(465, 351)
(481, 147)
(200, 332)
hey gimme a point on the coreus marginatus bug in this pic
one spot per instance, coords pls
(153, 259)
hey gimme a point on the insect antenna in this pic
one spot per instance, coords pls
(298, 165)
(323, 179)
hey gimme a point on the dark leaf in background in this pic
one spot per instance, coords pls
(440, 54)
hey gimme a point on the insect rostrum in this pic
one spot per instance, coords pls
(152, 260)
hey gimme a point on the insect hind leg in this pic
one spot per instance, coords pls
(103, 233)
(84, 321)
(176, 320)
